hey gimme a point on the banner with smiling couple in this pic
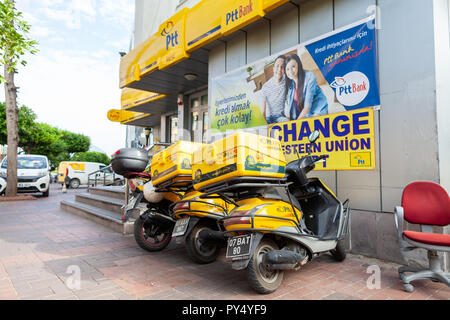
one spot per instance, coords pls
(317, 85)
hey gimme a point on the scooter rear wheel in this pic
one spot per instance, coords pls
(261, 279)
(151, 244)
(198, 251)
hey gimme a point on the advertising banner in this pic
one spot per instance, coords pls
(347, 139)
(328, 84)
(332, 74)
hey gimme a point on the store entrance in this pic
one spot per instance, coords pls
(198, 117)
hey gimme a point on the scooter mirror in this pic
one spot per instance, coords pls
(314, 136)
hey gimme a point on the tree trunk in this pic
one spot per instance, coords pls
(12, 117)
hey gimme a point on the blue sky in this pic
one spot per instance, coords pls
(73, 80)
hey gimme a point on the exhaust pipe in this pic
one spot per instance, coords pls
(284, 260)
(212, 236)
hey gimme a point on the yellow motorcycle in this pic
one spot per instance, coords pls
(281, 226)
(172, 209)
(147, 206)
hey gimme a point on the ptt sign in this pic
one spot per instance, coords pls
(171, 35)
(239, 13)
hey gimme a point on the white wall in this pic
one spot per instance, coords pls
(149, 14)
(442, 48)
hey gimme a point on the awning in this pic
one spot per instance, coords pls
(149, 103)
(161, 62)
(130, 118)
(132, 99)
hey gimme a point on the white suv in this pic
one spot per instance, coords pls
(33, 174)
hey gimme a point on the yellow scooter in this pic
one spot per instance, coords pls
(173, 210)
(281, 226)
(147, 206)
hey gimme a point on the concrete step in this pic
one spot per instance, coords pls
(112, 192)
(102, 202)
(104, 217)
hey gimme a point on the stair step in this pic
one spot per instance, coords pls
(112, 192)
(102, 202)
(103, 217)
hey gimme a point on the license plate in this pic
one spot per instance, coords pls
(239, 246)
(180, 227)
(23, 185)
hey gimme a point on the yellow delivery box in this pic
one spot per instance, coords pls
(239, 157)
(172, 166)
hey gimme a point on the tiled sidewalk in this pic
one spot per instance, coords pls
(39, 243)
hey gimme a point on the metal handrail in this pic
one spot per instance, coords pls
(103, 171)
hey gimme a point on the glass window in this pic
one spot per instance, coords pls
(204, 100)
(205, 126)
(195, 118)
(28, 163)
(173, 129)
(195, 102)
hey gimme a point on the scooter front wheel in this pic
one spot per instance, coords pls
(339, 253)
(199, 251)
(148, 237)
(261, 279)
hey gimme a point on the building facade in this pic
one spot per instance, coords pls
(412, 125)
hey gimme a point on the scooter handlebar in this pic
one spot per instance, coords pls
(321, 158)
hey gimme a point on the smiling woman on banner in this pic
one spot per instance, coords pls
(305, 103)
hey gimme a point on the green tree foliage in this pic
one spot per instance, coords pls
(14, 42)
(76, 142)
(41, 138)
(26, 122)
(91, 157)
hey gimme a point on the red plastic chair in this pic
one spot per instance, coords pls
(426, 204)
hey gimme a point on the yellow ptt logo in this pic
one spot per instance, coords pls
(361, 159)
(78, 166)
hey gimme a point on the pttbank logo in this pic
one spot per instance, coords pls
(171, 37)
(352, 88)
(239, 13)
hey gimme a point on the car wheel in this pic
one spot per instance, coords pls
(74, 183)
(46, 193)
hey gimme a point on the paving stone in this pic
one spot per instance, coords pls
(38, 242)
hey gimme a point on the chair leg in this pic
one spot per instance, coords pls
(435, 273)
(403, 269)
(443, 277)
(406, 279)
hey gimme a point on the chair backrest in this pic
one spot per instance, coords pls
(426, 203)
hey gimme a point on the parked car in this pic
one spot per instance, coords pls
(33, 174)
(74, 174)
